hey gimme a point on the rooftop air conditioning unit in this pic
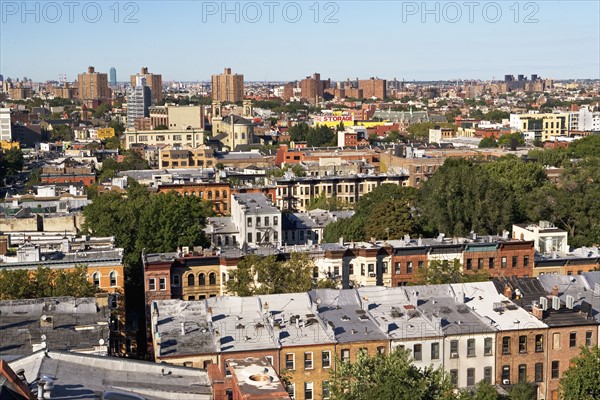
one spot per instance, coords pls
(506, 381)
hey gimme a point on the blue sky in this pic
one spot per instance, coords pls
(190, 40)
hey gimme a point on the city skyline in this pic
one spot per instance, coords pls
(364, 41)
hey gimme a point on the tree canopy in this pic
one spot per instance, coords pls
(581, 381)
(313, 136)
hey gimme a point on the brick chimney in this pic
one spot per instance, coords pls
(555, 290)
(144, 70)
(537, 311)
(508, 291)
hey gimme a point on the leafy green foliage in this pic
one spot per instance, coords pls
(441, 272)
(61, 133)
(132, 160)
(511, 139)
(580, 381)
(272, 276)
(11, 162)
(488, 142)
(523, 391)
(326, 203)
(159, 222)
(387, 377)
(45, 282)
(101, 110)
(313, 136)
(389, 211)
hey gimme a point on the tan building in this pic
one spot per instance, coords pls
(177, 138)
(153, 81)
(93, 86)
(311, 88)
(228, 87)
(233, 130)
(177, 117)
(187, 157)
(373, 88)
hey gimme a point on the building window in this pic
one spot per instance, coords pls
(435, 351)
(480, 263)
(469, 264)
(276, 220)
(191, 280)
(539, 372)
(397, 268)
(202, 280)
(152, 284)
(249, 222)
(291, 389)
(526, 261)
(162, 284)
(522, 373)
(289, 361)
(381, 350)
(487, 375)
(515, 261)
(491, 261)
(487, 346)
(539, 343)
(588, 338)
(249, 237)
(506, 374)
(326, 359)
(212, 278)
(506, 345)
(176, 280)
(418, 352)
(470, 347)
(113, 278)
(308, 390)
(308, 360)
(409, 267)
(556, 341)
(345, 355)
(470, 376)
(326, 391)
(555, 369)
(454, 377)
(573, 339)
(420, 264)
(454, 349)
(503, 262)
(96, 279)
(522, 344)
(266, 221)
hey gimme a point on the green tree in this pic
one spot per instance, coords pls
(34, 178)
(496, 115)
(488, 142)
(581, 381)
(388, 377)
(13, 161)
(73, 283)
(481, 391)
(523, 391)
(14, 284)
(61, 133)
(511, 140)
(102, 109)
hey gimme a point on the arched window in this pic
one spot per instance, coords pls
(216, 194)
(224, 194)
(201, 279)
(113, 278)
(96, 278)
(191, 280)
(212, 278)
(209, 195)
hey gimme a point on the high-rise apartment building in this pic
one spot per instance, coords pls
(312, 87)
(113, 77)
(228, 86)
(138, 101)
(5, 129)
(373, 88)
(153, 81)
(93, 86)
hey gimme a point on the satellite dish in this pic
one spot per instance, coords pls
(43, 338)
(101, 342)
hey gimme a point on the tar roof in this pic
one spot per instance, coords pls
(295, 320)
(78, 376)
(496, 310)
(342, 311)
(256, 378)
(239, 325)
(75, 324)
(256, 203)
(392, 310)
(184, 328)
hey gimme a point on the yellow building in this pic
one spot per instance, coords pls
(190, 138)
(544, 127)
(6, 145)
(105, 133)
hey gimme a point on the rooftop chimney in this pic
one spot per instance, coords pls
(555, 290)
(91, 70)
(144, 70)
(537, 311)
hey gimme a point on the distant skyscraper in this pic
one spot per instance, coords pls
(1, 78)
(153, 81)
(228, 87)
(5, 128)
(138, 101)
(93, 86)
(113, 77)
